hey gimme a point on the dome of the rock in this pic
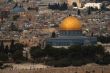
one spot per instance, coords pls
(70, 23)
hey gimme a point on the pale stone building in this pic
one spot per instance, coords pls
(52, 1)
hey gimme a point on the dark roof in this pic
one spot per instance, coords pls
(17, 9)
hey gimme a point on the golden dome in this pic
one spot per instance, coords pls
(70, 23)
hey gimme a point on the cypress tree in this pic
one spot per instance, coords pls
(2, 47)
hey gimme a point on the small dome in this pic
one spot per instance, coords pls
(70, 23)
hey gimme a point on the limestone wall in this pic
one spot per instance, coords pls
(87, 69)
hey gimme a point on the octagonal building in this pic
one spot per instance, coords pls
(70, 33)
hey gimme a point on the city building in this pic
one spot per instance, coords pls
(69, 2)
(78, 2)
(17, 10)
(94, 5)
(46, 2)
(70, 33)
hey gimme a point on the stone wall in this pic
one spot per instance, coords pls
(87, 69)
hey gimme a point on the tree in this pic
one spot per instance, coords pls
(3, 57)
(103, 7)
(37, 9)
(100, 50)
(78, 12)
(103, 39)
(89, 10)
(74, 4)
(15, 5)
(58, 6)
(18, 56)
(12, 47)
(10, 1)
(75, 52)
(6, 49)
(75, 55)
(2, 47)
(1, 64)
(50, 51)
(15, 17)
(4, 14)
(53, 35)
(13, 27)
(16, 51)
(89, 52)
(37, 53)
(106, 58)
(18, 46)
